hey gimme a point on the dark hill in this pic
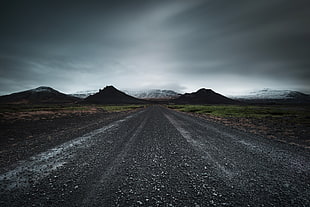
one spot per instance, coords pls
(110, 95)
(40, 95)
(297, 97)
(203, 96)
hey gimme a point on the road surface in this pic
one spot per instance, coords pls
(160, 157)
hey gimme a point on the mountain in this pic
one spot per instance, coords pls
(275, 96)
(153, 94)
(83, 94)
(40, 95)
(110, 95)
(204, 96)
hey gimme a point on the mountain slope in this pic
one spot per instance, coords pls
(40, 95)
(278, 96)
(110, 95)
(204, 96)
(154, 94)
(83, 94)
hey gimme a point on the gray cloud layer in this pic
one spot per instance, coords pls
(182, 45)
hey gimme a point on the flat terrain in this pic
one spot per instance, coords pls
(160, 157)
(288, 123)
(30, 129)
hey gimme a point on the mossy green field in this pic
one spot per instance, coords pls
(55, 108)
(295, 113)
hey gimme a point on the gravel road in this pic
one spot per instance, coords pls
(160, 157)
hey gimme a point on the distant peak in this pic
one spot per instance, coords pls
(108, 88)
(204, 90)
(42, 89)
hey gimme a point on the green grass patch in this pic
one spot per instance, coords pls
(119, 108)
(247, 111)
(45, 107)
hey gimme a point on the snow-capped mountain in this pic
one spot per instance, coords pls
(84, 94)
(40, 95)
(153, 94)
(272, 94)
(42, 89)
(142, 94)
(276, 95)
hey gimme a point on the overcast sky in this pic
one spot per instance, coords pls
(229, 46)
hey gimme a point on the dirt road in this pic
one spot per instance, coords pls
(160, 157)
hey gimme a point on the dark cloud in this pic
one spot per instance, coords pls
(183, 45)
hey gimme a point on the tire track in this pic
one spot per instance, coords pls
(200, 147)
(90, 197)
(39, 166)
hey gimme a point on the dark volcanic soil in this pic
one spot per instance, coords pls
(281, 129)
(21, 138)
